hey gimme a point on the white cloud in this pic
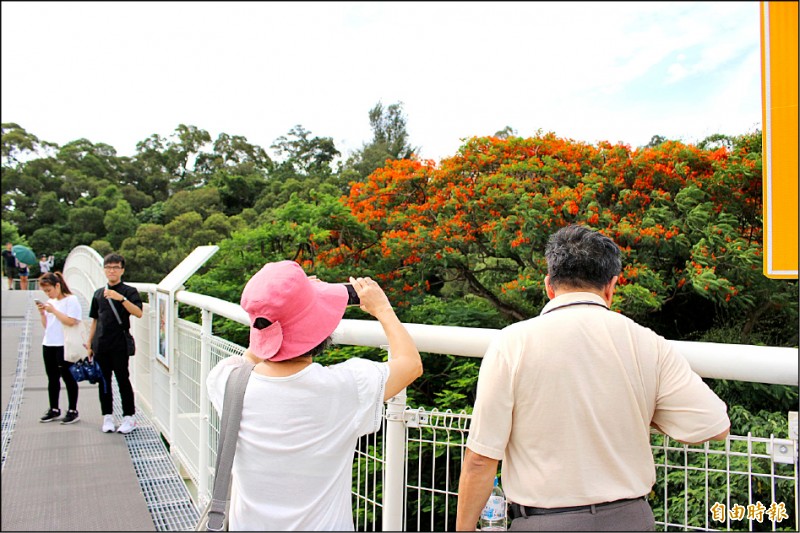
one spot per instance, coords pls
(676, 72)
(119, 72)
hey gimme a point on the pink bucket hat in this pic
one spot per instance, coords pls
(302, 312)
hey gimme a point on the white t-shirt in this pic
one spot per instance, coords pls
(54, 331)
(44, 266)
(294, 457)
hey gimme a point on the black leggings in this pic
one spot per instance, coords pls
(58, 369)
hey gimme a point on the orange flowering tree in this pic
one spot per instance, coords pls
(687, 220)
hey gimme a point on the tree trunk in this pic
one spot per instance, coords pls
(480, 290)
(752, 320)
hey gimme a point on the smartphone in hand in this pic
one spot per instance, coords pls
(38, 302)
(352, 295)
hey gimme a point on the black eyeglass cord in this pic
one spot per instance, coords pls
(582, 302)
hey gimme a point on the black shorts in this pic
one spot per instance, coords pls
(11, 272)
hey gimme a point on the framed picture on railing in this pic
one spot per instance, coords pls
(162, 311)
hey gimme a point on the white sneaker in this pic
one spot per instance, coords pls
(128, 425)
(108, 424)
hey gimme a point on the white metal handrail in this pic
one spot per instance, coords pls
(176, 401)
(739, 362)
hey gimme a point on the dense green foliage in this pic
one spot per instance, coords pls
(458, 242)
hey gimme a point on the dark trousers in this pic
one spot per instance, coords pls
(57, 369)
(630, 515)
(118, 364)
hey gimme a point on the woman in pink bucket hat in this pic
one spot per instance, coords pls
(292, 470)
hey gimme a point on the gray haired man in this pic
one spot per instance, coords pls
(567, 400)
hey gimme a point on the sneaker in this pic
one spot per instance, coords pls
(50, 415)
(71, 418)
(128, 425)
(108, 424)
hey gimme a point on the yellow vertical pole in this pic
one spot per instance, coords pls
(779, 112)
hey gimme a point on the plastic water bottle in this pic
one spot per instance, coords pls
(493, 516)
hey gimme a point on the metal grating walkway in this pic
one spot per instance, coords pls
(167, 497)
(11, 410)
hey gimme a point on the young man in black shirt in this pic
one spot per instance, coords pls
(108, 340)
(10, 264)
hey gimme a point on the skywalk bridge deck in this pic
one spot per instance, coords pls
(74, 477)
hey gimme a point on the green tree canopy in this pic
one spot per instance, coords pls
(203, 201)
(120, 223)
(389, 141)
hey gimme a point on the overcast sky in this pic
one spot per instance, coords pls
(118, 72)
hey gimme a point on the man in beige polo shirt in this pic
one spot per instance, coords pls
(567, 400)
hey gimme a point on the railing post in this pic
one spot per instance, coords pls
(132, 363)
(174, 365)
(205, 363)
(394, 455)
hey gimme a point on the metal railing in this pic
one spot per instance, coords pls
(405, 475)
(33, 284)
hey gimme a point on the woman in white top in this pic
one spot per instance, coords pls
(62, 308)
(45, 263)
(292, 470)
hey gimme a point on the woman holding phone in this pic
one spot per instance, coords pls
(62, 308)
(301, 420)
